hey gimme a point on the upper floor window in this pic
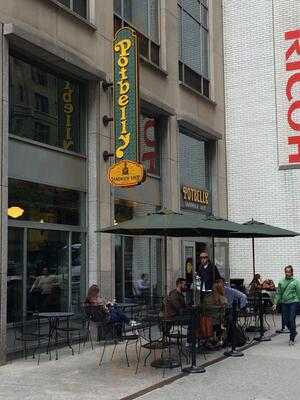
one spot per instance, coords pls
(142, 15)
(194, 44)
(46, 107)
(80, 7)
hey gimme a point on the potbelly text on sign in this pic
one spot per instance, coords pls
(127, 172)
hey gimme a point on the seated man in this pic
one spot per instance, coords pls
(234, 295)
(175, 301)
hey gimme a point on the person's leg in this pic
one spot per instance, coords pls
(292, 312)
(116, 315)
(285, 315)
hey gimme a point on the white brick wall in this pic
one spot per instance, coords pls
(256, 186)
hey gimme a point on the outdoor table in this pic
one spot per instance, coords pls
(53, 319)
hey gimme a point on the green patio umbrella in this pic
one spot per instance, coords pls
(256, 229)
(168, 223)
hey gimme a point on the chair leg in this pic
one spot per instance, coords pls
(126, 345)
(91, 339)
(146, 358)
(102, 355)
(79, 343)
(112, 356)
(25, 350)
(139, 356)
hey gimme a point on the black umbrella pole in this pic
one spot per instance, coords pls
(166, 264)
(193, 369)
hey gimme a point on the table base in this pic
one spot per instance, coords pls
(194, 369)
(165, 363)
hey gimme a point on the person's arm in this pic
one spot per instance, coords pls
(241, 297)
(298, 290)
(35, 284)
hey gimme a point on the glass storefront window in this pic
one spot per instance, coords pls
(138, 260)
(47, 270)
(78, 271)
(15, 278)
(150, 144)
(49, 276)
(45, 107)
(48, 204)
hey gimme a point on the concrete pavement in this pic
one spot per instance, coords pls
(268, 371)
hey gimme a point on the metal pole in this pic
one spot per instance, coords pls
(166, 268)
(253, 256)
(213, 257)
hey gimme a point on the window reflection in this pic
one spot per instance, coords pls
(15, 275)
(45, 107)
(47, 271)
(42, 203)
(78, 272)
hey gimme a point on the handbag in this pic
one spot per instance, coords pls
(205, 327)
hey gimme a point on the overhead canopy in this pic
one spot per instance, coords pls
(256, 229)
(173, 224)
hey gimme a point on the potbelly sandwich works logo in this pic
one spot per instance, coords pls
(126, 111)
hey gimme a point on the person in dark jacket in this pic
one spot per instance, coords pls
(207, 272)
(175, 302)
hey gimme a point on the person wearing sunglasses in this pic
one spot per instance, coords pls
(207, 272)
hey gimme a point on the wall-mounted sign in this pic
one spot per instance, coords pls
(126, 95)
(195, 199)
(287, 78)
(127, 172)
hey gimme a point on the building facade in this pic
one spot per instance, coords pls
(262, 123)
(56, 103)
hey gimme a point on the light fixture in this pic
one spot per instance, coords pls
(15, 212)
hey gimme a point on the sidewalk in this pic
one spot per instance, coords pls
(268, 371)
(79, 376)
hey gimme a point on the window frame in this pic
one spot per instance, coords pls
(183, 68)
(83, 105)
(208, 156)
(151, 41)
(71, 8)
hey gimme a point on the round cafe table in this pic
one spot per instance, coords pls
(53, 321)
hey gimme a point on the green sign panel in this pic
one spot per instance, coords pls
(126, 95)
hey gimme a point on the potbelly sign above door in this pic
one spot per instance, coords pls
(126, 111)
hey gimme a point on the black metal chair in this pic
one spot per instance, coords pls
(77, 327)
(30, 335)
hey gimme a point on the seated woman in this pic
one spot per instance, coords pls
(214, 305)
(101, 311)
(255, 285)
